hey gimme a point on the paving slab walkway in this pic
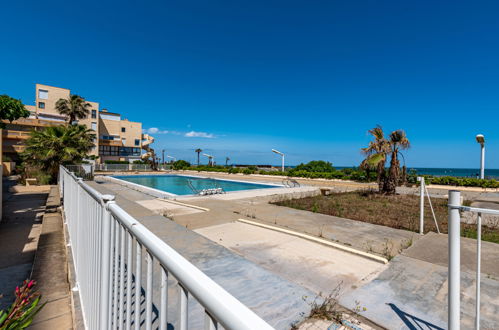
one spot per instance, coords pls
(19, 232)
(327, 268)
(50, 271)
(275, 299)
(412, 292)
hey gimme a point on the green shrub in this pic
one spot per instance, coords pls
(116, 162)
(315, 166)
(234, 170)
(248, 171)
(181, 164)
(462, 182)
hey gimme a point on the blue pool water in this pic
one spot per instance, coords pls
(178, 185)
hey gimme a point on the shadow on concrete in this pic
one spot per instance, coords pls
(412, 322)
(21, 213)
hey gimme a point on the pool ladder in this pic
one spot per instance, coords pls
(204, 192)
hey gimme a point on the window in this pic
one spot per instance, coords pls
(123, 130)
(94, 114)
(123, 141)
(41, 105)
(94, 126)
(43, 94)
(137, 142)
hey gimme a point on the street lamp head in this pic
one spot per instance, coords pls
(277, 152)
(480, 138)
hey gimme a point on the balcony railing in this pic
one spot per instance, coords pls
(12, 134)
(114, 256)
(116, 143)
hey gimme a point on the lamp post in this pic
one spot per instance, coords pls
(163, 151)
(210, 159)
(282, 155)
(481, 139)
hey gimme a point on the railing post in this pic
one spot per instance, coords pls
(454, 271)
(105, 290)
(421, 204)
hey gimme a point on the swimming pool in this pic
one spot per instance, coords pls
(179, 185)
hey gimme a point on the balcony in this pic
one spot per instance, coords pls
(35, 122)
(18, 135)
(115, 143)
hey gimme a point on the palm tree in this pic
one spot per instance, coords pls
(398, 141)
(198, 151)
(74, 108)
(56, 145)
(227, 161)
(376, 155)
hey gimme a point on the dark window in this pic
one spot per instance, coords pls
(94, 113)
(123, 130)
(41, 105)
(137, 142)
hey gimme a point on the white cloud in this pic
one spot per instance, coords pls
(152, 130)
(199, 135)
(155, 130)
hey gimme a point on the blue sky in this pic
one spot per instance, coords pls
(308, 78)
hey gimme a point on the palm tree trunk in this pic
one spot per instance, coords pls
(393, 175)
(198, 158)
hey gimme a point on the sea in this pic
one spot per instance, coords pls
(457, 172)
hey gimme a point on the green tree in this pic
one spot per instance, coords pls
(11, 109)
(181, 164)
(74, 108)
(376, 155)
(316, 166)
(227, 161)
(56, 145)
(198, 151)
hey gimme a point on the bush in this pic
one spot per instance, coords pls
(234, 170)
(116, 162)
(316, 166)
(181, 164)
(463, 182)
(248, 171)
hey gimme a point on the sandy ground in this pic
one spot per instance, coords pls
(315, 266)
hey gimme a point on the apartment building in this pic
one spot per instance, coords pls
(119, 139)
(116, 138)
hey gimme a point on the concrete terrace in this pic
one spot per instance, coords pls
(410, 291)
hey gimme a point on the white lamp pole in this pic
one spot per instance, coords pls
(481, 139)
(210, 159)
(282, 155)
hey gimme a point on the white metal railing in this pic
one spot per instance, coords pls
(422, 192)
(122, 167)
(114, 256)
(454, 272)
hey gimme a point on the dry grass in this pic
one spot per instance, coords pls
(397, 211)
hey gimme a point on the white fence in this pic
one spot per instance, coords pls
(113, 257)
(454, 237)
(123, 167)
